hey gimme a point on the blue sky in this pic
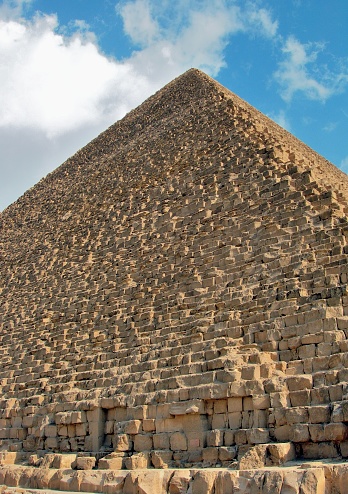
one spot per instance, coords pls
(70, 68)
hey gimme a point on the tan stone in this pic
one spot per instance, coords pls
(85, 462)
(112, 461)
(178, 441)
(161, 459)
(179, 482)
(203, 482)
(136, 461)
(313, 482)
(281, 453)
(254, 458)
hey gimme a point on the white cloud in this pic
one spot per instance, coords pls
(330, 127)
(260, 20)
(194, 33)
(299, 72)
(139, 22)
(57, 84)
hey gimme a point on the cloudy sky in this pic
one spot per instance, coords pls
(70, 68)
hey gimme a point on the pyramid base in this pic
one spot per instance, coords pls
(296, 477)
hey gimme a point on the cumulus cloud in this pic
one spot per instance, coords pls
(59, 90)
(184, 34)
(299, 72)
(57, 84)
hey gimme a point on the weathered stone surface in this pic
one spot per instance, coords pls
(181, 303)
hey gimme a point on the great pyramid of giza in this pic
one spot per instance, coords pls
(174, 314)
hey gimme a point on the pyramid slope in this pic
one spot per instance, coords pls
(187, 267)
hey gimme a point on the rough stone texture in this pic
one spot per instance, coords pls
(181, 302)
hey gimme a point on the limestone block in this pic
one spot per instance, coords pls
(161, 459)
(319, 414)
(296, 383)
(169, 425)
(203, 481)
(81, 430)
(62, 418)
(187, 407)
(215, 438)
(51, 443)
(178, 441)
(220, 406)
(62, 430)
(300, 398)
(136, 461)
(228, 438)
(149, 425)
(282, 433)
(261, 402)
(273, 482)
(64, 445)
(335, 432)
(114, 482)
(299, 433)
(316, 432)
(240, 437)
(320, 396)
(113, 461)
(51, 431)
(227, 453)
(28, 421)
(280, 453)
(70, 482)
(210, 456)
(194, 456)
(280, 399)
(258, 436)
(220, 421)
(143, 442)
(235, 404)
(122, 442)
(161, 441)
(47, 460)
(118, 414)
(85, 462)
(251, 372)
(296, 415)
(319, 450)
(71, 430)
(109, 427)
(313, 481)
(253, 458)
(62, 461)
(133, 427)
(179, 483)
(78, 417)
(90, 481)
(195, 440)
(291, 482)
(8, 458)
(336, 392)
(149, 482)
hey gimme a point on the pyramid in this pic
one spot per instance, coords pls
(173, 298)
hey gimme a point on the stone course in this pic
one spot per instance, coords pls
(174, 297)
